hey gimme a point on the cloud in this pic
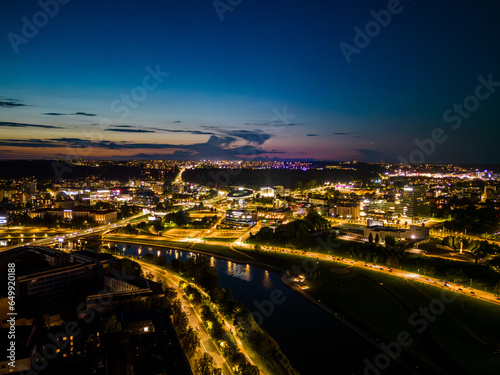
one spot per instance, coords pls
(9, 103)
(69, 114)
(177, 122)
(353, 135)
(20, 125)
(83, 114)
(28, 143)
(198, 132)
(214, 148)
(129, 130)
(312, 135)
(253, 137)
(271, 123)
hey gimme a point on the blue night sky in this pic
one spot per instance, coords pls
(270, 80)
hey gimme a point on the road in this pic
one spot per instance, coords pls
(476, 293)
(74, 234)
(207, 344)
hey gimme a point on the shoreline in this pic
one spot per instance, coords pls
(279, 272)
(223, 257)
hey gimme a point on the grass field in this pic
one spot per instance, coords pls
(219, 239)
(461, 339)
(145, 241)
(218, 250)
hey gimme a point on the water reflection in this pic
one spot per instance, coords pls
(313, 358)
(241, 271)
(266, 281)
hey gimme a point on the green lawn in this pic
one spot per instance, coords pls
(219, 250)
(220, 239)
(153, 242)
(454, 341)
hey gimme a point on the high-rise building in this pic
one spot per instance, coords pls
(414, 203)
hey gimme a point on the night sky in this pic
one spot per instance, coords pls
(256, 79)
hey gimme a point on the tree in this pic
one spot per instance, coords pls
(370, 237)
(429, 269)
(480, 251)
(390, 240)
(206, 366)
(249, 369)
(377, 239)
(496, 288)
(112, 325)
(456, 274)
(175, 264)
(190, 341)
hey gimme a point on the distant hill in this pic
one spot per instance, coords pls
(256, 178)
(48, 169)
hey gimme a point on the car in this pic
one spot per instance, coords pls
(460, 289)
(474, 293)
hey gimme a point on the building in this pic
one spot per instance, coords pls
(53, 277)
(100, 216)
(4, 218)
(104, 216)
(240, 197)
(276, 215)
(414, 203)
(318, 201)
(240, 217)
(415, 232)
(281, 191)
(65, 205)
(490, 193)
(347, 211)
(267, 192)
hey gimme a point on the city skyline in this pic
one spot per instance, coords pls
(288, 80)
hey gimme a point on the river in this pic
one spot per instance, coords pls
(312, 339)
